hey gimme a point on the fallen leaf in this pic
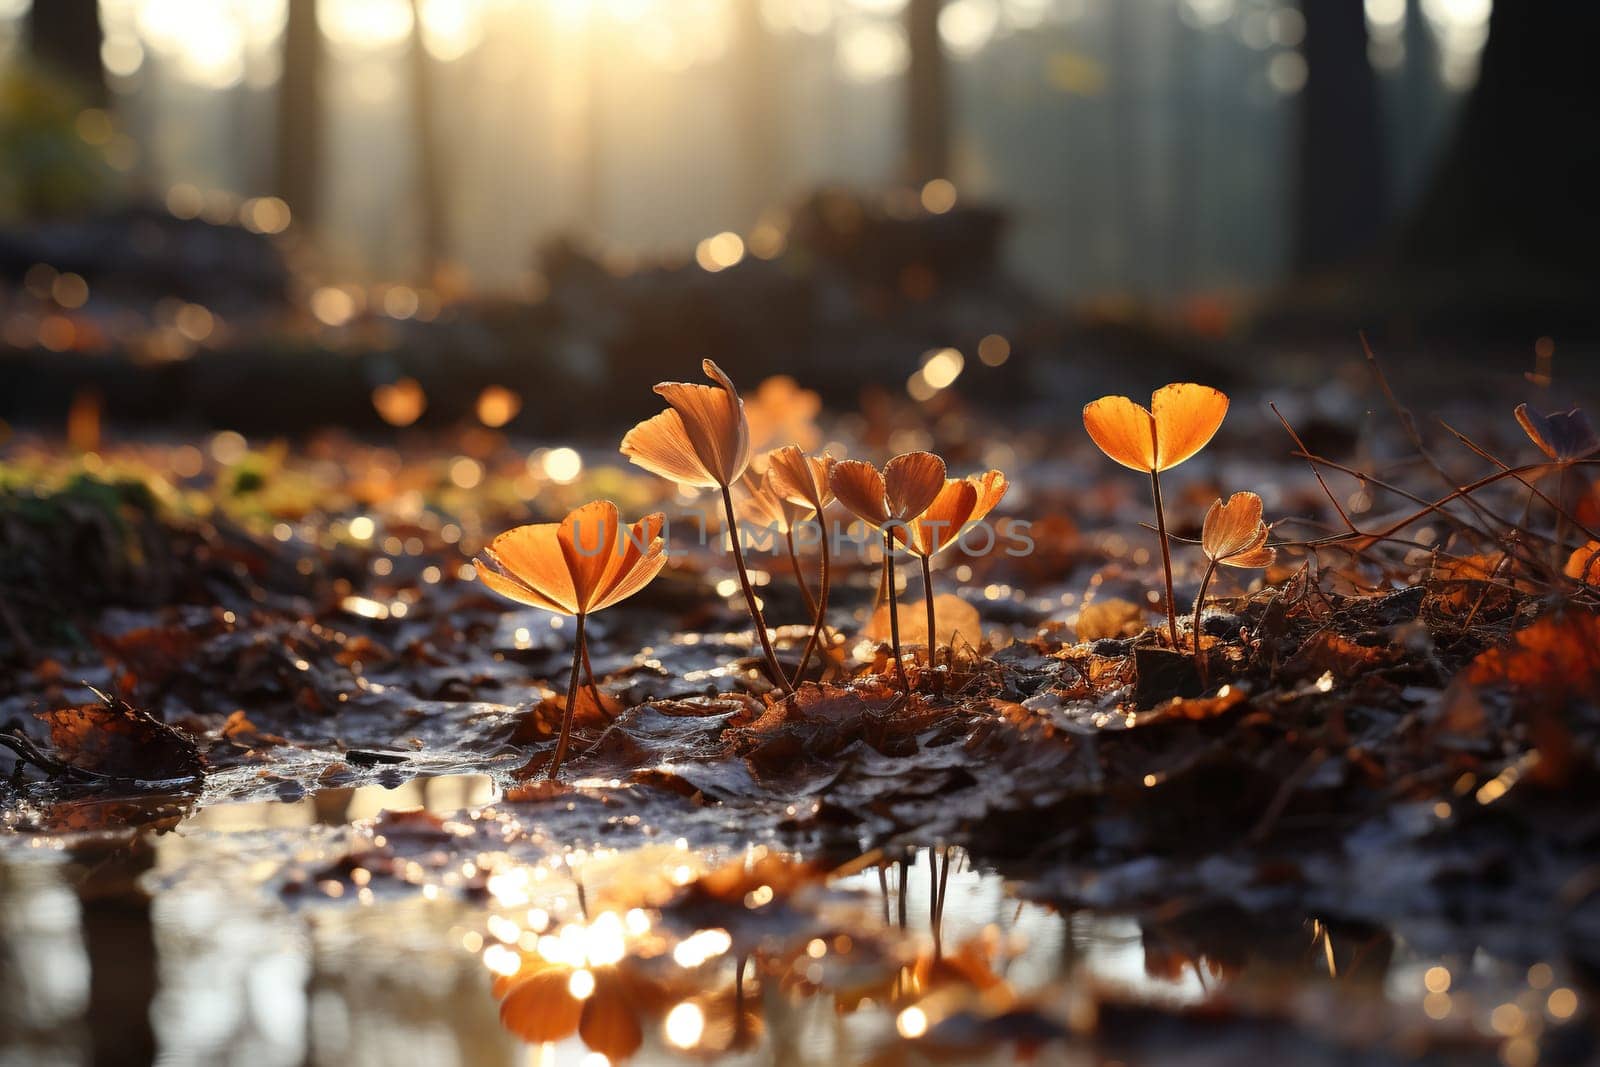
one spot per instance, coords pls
(956, 619)
(116, 740)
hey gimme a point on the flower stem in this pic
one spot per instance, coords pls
(1166, 558)
(822, 611)
(773, 670)
(572, 702)
(1561, 515)
(1199, 602)
(589, 682)
(894, 609)
(799, 579)
(927, 598)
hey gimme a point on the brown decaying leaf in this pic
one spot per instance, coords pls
(116, 740)
(1112, 617)
(1584, 564)
(1555, 660)
(956, 619)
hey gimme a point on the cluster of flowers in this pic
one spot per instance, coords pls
(592, 559)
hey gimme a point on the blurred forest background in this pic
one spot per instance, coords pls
(577, 186)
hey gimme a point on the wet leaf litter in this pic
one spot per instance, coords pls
(1361, 777)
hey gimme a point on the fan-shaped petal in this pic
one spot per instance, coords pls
(859, 487)
(530, 558)
(1561, 435)
(640, 561)
(714, 421)
(991, 487)
(1124, 431)
(911, 481)
(1186, 417)
(800, 479)
(588, 539)
(938, 527)
(661, 445)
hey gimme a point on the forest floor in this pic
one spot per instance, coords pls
(281, 752)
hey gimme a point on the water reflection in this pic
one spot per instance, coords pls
(219, 942)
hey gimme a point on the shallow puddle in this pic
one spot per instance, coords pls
(332, 930)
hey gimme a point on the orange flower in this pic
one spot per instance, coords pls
(582, 564)
(908, 484)
(890, 501)
(962, 502)
(1180, 420)
(1234, 535)
(800, 479)
(771, 511)
(702, 439)
(801, 483)
(1564, 436)
(578, 565)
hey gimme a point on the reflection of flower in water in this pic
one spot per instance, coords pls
(581, 981)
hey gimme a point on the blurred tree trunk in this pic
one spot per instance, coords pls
(761, 179)
(1516, 185)
(65, 36)
(1340, 202)
(432, 199)
(299, 134)
(927, 110)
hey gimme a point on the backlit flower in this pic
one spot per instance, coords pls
(1180, 420)
(908, 484)
(962, 502)
(1234, 535)
(1564, 436)
(586, 562)
(702, 439)
(800, 479)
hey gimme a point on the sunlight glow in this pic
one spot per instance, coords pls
(685, 1024)
(365, 25)
(873, 51)
(451, 28)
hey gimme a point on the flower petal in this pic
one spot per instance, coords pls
(588, 539)
(714, 422)
(911, 481)
(991, 487)
(800, 479)
(1186, 418)
(859, 487)
(1232, 527)
(610, 1024)
(942, 522)
(531, 557)
(661, 445)
(1561, 435)
(512, 589)
(643, 559)
(762, 505)
(1124, 431)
